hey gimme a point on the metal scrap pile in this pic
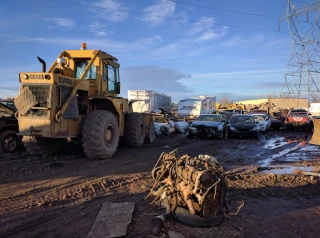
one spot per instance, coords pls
(194, 184)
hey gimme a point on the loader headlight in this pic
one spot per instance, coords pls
(47, 76)
(25, 76)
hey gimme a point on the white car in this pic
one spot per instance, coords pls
(264, 123)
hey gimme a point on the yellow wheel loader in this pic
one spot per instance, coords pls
(78, 98)
(315, 139)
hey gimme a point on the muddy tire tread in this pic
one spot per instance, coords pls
(132, 130)
(93, 135)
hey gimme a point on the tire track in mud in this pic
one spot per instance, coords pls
(62, 192)
(274, 185)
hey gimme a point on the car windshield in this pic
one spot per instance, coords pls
(9, 104)
(300, 114)
(213, 117)
(222, 114)
(259, 117)
(244, 119)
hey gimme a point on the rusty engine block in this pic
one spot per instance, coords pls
(196, 184)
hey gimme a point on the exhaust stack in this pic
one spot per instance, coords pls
(43, 64)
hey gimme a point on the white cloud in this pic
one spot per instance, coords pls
(98, 29)
(165, 80)
(92, 43)
(235, 42)
(202, 25)
(183, 18)
(211, 35)
(63, 22)
(238, 73)
(151, 40)
(162, 8)
(111, 10)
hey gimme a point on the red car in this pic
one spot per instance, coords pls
(299, 119)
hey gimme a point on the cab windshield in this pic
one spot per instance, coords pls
(80, 66)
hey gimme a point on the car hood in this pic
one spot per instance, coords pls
(274, 120)
(205, 123)
(243, 126)
(5, 110)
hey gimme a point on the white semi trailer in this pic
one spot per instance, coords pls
(148, 101)
(193, 107)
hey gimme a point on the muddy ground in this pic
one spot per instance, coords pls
(60, 196)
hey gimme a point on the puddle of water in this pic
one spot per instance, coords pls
(275, 143)
(311, 148)
(296, 157)
(286, 169)
(267, 161)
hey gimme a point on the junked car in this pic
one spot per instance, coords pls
(242, 125)
(299, 119)
(276, 124)
(207, 126)
(264, 122)
(224, 114)
(10, 142)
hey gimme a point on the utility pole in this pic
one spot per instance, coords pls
(303, 68)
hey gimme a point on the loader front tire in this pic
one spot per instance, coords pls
(100, 135)
(135, 130)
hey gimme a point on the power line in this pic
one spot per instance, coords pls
(301, 2)
(166, 17)
(221, 9)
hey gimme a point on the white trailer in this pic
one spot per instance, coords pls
(314, 109)
(196, 106)
(148, 101)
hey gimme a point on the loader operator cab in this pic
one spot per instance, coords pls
(103, 73)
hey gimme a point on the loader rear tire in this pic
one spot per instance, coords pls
(135, 130)
(151, 135)
(43, 146)
(100, 135)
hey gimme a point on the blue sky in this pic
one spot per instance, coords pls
(200, 54)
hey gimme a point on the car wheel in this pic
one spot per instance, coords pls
(10, 142)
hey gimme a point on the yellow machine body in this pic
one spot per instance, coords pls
(54, 104)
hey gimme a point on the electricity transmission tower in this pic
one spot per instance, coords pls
(303, 67)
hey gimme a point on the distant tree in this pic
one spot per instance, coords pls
(225, 100)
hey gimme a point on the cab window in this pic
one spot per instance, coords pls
(80, 66)
(112, 75)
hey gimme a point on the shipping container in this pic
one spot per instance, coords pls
(148, 101)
